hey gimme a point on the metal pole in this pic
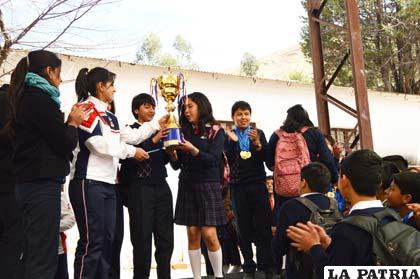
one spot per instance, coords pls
(359, 78)
(318, 68)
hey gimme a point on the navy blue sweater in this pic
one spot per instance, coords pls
(350, 246)
(151, 170)
(318, 151)
(206, 166)
(291, 213)
(250, 170)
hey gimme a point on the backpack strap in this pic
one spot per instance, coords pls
(304, 129)
(370, 223)
(387, 213)
(279, 132)
(333, 204)
(366, 223)
(313, 207)
(213, 131)
(307, 203)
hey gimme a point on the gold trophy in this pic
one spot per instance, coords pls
(169, 86)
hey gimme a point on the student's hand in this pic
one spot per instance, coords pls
(160, 135)
(141, 154)
(415, 207)
(188, 147)
(324, 238)
(255, 138)
(231, 135)
(77, 115)
(163, 121)
(303, 237)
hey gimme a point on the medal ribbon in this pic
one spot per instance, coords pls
(243, 138)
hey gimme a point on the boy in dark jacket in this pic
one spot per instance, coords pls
(245, 149)
(149, 198)
(315, 179)
(348, 245)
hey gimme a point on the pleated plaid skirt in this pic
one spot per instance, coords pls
(199, 204)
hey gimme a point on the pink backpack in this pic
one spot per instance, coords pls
(291, 155)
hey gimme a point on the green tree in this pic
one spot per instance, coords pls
(299, 76)
(151, 52)
(166, 60)
(249, 65)
(184, 50)
(391, 41)
(150, 49)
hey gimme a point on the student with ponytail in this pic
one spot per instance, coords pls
(43, 145)
(94, 173)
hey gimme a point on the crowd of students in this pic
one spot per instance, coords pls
(110, 166)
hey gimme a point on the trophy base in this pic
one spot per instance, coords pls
(173, 138)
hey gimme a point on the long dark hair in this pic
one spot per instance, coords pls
(205, 114)
(35, 62)
(297, 118)
(86, 81)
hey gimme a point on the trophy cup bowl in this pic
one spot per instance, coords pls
(169, 88)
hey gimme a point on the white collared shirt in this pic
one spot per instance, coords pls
(366, 205)
(308, 194)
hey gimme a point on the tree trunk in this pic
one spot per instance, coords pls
(382, 47)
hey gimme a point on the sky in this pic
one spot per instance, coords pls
(220, 31)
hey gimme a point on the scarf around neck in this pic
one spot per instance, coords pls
(37, 81)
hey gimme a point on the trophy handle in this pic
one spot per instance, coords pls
(154, 89)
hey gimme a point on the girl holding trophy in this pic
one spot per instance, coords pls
(199, 203)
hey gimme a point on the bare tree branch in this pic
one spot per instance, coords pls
(71, 10)
(76, 17)
(7, 40)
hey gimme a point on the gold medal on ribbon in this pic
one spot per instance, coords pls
(245, 155)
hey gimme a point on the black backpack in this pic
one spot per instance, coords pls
(325, 218)
(393, 242)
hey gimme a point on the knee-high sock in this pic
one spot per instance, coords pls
(195, 261)
(216, 260)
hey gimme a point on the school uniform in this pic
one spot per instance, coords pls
(92, 189)
(199, 201)
(291, 213)
(43, 146)
(350, 245)
(249, 202)
(150, 208)
(120, 201)
(10, 218)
